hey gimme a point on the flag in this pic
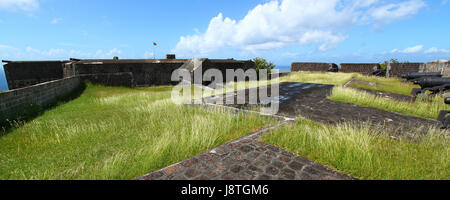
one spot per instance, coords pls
(154, 44)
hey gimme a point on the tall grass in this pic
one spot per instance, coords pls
(319, 77)
(392, 85)
(427, 107)
(366, 153)
(116, 133)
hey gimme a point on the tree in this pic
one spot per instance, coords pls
(386, 63)
(261, 63)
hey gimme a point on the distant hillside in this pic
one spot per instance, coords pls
(3, 84)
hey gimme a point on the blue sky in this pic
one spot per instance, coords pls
(281, 31)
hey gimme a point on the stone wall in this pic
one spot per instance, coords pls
(443, 67)
(223, 65)
(397, 69)
(22, 74)
(362, 68)
(40, 94)
(310, 66)
(124, 79)
(113, 72)
(126, 72)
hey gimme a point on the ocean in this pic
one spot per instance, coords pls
(3, 84)
(283, 68)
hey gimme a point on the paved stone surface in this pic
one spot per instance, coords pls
(310, 101)
(246, 158)
(250, 159)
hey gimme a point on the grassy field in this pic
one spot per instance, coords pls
(422, 107)
(319, 77)
(392, 85)
(366, 153)
(116, 133)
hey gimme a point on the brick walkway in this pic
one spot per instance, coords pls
(246, 158)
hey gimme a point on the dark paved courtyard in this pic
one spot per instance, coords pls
(248, 158)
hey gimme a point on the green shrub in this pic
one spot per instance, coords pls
(261, 63)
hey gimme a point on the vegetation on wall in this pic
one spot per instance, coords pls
(386, 63)
(262, 63)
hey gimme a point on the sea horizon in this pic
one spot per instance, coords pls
(3, 83)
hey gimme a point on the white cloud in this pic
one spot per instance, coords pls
(277, 24)
(30, 53)
(19, 5)
(148, 55)
(56, 20)
(109, 55)
(6, 47)
(420, 49)
(114, 52)
(432, 50)
(7, 51)
(414, 49)
(51, 53)
(444, 2)
(395, 11)
(436, 50)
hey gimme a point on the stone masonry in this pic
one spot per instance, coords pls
(39, 94)
(310, 66)
(246, 158)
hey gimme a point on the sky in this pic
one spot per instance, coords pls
(282, 31)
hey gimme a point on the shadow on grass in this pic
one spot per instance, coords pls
(16, 119)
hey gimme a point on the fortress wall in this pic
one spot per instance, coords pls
(22, 74)
(437, 67)
(150, 74)
(362, 68)
(223, 65)
(128, 74)
(14, 101)
(113, 72)
(310, 66)
(397, 69)
(124, 79)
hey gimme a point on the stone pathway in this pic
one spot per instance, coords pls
(246, 158)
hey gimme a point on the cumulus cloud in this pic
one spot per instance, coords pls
(109, 54)
(277, 24)
(436, 50)
(19, 5)
(13, 53)
(395, 11)
(414, 49)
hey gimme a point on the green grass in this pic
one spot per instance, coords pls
(319, 77)
(392, 85)
(422, 107)
(360, 151)
(116, 133)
